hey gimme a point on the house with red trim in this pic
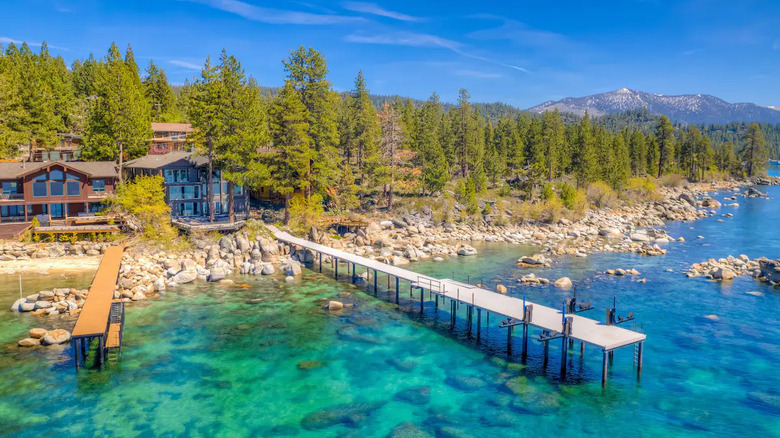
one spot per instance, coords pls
(54, 190)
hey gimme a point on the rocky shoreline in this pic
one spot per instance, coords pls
(729, 268)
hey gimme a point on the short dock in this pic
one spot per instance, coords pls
(555, 323)
(101, 317)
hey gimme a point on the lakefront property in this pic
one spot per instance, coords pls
(391, 237)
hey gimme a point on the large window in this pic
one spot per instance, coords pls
(238, 190)
(98, 185)
(10, 188)
(56, 188)
(12, 212)
(39, 189)
(74, 188)
(95, 207)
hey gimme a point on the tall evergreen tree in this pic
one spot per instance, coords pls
(291, 164)
(638, 152)
(432, 160)
(204, 112)
(664, 135)
(119, 125)
(307, 70)
(159, 94)
(586, 156)
(392, 141)
(366, 131)
(754, 154)
(553, 137)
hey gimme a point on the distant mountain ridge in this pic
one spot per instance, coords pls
(689, 108)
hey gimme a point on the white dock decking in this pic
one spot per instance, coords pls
(606, 337)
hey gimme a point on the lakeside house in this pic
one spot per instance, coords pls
(54, 190)
(171, 137)
(184, 176)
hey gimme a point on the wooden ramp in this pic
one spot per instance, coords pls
(94, 321)
(572, 327)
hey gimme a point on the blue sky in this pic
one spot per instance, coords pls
(518, 52)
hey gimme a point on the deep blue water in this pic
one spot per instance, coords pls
(202, 361)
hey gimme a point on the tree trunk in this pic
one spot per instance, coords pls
(121, 162)
(231, 205)
(390, 196)
(210, 181)
(286, 208)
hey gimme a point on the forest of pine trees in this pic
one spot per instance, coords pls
(348, 148)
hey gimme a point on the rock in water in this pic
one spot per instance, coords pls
(408, 430)
(416, 396)
(29, 342)
(217, 274)
(17, 305)
(335, 305)
(466, 250)
(350, 414)
(184, 277)
(563, 283)
(37, 333)
(501, 289)
(58, 336)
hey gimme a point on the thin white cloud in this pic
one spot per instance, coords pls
(277, 16)
(403, 39)
(478, 74)
(519, 33)
(185, 64)
(423, 40)
(7, 40)
(375, 9)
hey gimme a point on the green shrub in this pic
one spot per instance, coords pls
(144, 198)
(547, 192)
(305, 212)
(601, 194)
(673, 180)
(640, 190)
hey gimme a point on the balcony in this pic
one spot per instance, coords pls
(10, 197)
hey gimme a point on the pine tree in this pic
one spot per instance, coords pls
(754, 154)
(159, 94)
(463, 129)
(638, 152)
(553, 136)
(586, 157)
(366, 132)
(243, 130)
(307, 69)
(664, 134)
(204, 113)
(391, 142)
(431, 157)
(119, 125)
(652, 155)
(291, 164)
(619, 169)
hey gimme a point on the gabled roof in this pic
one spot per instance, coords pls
(171, 159)
(172, 127)
(94, 169)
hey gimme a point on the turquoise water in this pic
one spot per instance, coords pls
(269, 361)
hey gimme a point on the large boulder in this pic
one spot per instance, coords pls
(17, 305)
(639, 237)
(29, 342)
(563, 283)
(37, 333)
(184, 277)
(710, 203)
(217, 274)
(226, 244)
(293, 268)
(721, 273)
(58, 336)
(687, 198)
(466, 250)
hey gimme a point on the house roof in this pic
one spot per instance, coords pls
(172, 127)
(95, 169)
(171, 159)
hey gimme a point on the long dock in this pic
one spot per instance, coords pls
(555, 323)
(101, 317)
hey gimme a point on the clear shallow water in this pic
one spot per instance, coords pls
(202, 361)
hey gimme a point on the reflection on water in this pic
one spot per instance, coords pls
(206, 360)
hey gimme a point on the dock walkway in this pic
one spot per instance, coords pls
(606, 337)
(95, 320)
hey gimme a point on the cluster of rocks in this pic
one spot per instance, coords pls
(730, 267)
(145, 274)
(620, 272)
(39, 336)
(59, 301)
(534, 261)
(533, 279)
(25, 251)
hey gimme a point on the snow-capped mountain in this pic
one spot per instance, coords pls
(690, 108)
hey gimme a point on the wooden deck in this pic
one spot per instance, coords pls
(113, 339)
(67, 229)
(93, 319)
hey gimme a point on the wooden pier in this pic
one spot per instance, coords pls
(102, 317)
(555, 324)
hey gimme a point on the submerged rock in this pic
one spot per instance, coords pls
(563, 283)
(350, 414)
(29, 342)
(416, 396)
(408, 430)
